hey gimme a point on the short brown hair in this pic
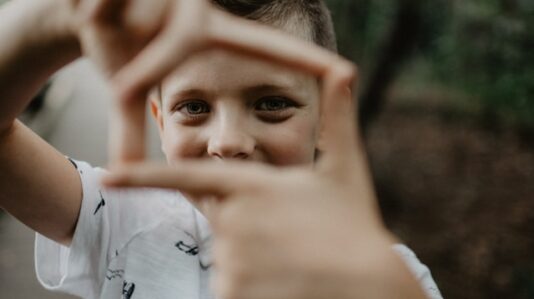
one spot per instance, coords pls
(308, 19)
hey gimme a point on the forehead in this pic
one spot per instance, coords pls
(222, 72)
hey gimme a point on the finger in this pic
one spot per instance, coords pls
(182, 36)
(103, 11)
(222, 31)
(144, 18)
(127, 132)
(196, 178)
(339, 133)
(258, 40)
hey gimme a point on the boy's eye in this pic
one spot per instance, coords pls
(275, 109)
(273, 104)
(195, 107)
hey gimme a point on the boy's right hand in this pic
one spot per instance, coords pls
(38, 38)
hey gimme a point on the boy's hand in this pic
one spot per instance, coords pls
(37, 38)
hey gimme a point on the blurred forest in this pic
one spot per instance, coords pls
(448, 116)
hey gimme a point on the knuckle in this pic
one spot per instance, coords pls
(345, 70)
(341, 73)
(353, 71)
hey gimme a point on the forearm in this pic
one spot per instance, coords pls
(36, 40)
(39, 186)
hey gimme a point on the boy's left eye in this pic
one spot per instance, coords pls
(273, 104)
(275, 109)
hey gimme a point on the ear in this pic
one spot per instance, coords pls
(157, 113)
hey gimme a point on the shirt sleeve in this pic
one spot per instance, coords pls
(76, 269)
(419, 270)
(108, 219)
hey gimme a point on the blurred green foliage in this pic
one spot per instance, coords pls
(471, 61)
(482, 47)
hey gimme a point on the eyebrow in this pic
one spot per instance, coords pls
(269, 88)
(194, 92)
(291, 87)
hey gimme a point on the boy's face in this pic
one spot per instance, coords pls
(224, 106)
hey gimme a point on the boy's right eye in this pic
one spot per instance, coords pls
(193, 107)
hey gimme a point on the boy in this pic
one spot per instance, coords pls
(149, 243)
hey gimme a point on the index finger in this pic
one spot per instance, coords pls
(222, 31)
(196, 178)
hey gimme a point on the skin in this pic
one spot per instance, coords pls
(224, 106)
(259, 205)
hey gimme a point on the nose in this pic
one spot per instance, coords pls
(231, 140)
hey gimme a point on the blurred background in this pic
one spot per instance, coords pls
(447, 107)
(448, 118)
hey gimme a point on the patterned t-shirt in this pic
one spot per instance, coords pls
(142, 243)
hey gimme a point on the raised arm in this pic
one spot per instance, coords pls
(38, 185)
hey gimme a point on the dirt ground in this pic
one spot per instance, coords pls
(460, 194)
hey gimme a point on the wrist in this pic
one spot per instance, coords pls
(379, 272)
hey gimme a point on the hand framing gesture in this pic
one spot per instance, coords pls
(279, 233)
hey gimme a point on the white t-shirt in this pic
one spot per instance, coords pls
(142, 243)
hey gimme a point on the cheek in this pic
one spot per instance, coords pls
(181, 142)
(291, 143)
